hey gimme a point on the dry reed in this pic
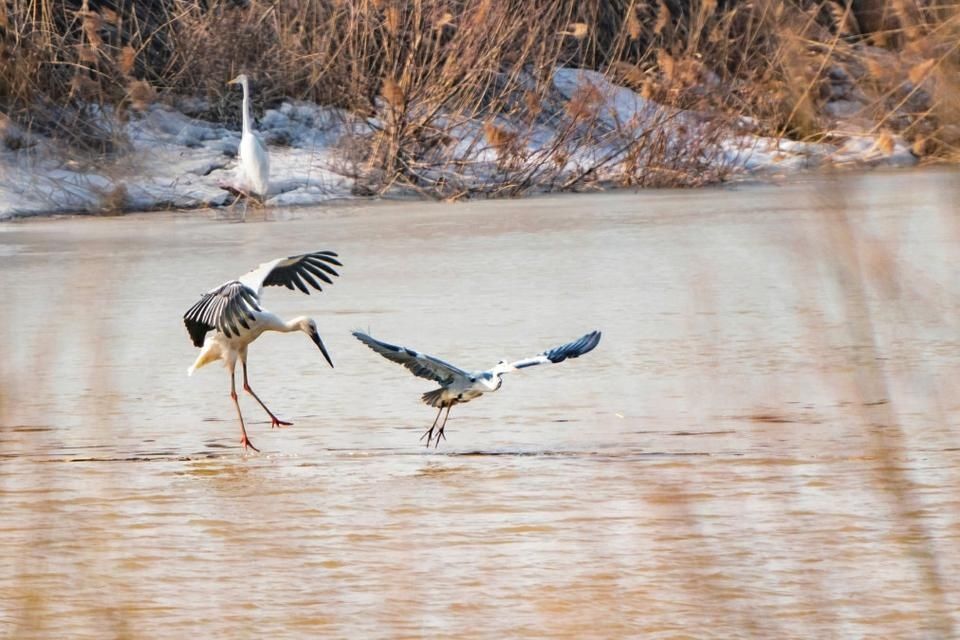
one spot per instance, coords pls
(421, 71)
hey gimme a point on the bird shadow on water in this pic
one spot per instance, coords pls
(227, 451)
(112, 454)
(148, 456)
(619, 454)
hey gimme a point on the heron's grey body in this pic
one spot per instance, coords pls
(463, 389)
(228, 318)
(458, 385)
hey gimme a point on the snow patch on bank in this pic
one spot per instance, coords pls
(170, 160)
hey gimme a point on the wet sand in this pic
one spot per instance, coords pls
(765, 443)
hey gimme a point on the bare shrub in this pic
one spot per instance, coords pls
(802, 69)
(425, 74)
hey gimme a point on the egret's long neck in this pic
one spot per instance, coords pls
(246, 107)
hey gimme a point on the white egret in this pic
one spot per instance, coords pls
(457, 385)
(254, 163)
(233, 313)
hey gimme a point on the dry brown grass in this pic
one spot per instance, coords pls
(808, 69)
(419, 71)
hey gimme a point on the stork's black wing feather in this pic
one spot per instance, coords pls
(226, 309)
(308, 267)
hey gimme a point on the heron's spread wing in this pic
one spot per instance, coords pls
(226, 308)
(573, 349)
(420, 364)
(294, 271)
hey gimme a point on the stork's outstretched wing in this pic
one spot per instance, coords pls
(226, 308)
(573, 349)
(293, 271)
(420, 364)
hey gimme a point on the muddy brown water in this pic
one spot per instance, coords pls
(765, 444)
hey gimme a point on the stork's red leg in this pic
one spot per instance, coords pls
(436, 441)
(275, 422)
(428, 434)
(244, 440)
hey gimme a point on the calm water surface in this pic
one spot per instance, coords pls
(765, 444)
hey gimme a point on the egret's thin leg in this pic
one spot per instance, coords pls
(244, 440)
(428, 434)
(436, 441)
(275, 422)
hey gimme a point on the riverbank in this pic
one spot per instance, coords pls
(172, 160)
(104, 112)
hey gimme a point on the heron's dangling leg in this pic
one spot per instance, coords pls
(436, 441)
(428, 434)
(275, 422)
(244, 440)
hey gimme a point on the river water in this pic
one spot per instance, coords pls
(765, 444)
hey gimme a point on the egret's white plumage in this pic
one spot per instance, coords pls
(253, 161)
(228, 318)
(458, 385)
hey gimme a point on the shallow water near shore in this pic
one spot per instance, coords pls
(764, 444)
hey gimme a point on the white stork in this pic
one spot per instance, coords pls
(233, 313)
(457, 385)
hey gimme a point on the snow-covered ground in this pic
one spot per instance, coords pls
(173, 161)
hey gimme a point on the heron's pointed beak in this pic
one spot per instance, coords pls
(234, 81)
(316, 339)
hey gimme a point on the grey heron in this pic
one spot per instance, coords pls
(458, 385)
(228, 318)
(254, 163)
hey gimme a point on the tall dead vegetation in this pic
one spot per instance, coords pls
(442, 83)
(806, 69)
